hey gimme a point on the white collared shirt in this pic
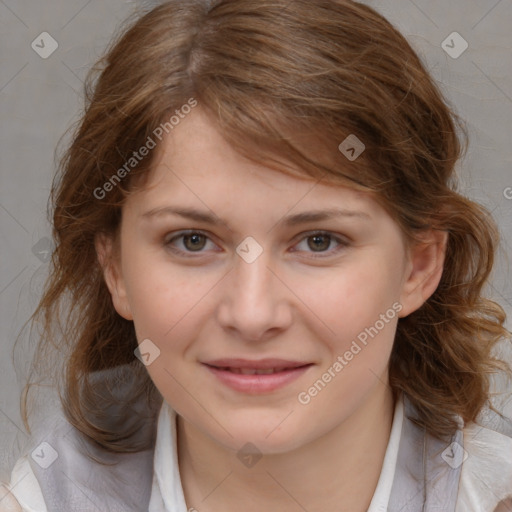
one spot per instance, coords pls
(489, 460)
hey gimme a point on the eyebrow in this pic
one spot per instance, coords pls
(290, 220)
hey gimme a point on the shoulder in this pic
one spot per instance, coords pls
(486, 476)
(8, 502)
(23, 492)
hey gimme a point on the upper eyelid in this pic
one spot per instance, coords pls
(341, 239)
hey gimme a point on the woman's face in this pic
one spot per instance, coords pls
(301, 279)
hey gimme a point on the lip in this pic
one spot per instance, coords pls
(256, 384)
(261, 364)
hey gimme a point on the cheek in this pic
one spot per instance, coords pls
(150, 290)
(165, 300)
(360, 306)
(352, 298)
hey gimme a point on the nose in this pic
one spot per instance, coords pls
(255, 304)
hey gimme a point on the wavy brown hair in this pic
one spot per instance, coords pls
(285, 81)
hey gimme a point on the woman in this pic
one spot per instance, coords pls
(276, 291)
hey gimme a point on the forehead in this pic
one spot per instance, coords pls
(195, 163)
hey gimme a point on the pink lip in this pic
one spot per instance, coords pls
(256, 384)
(260, 364)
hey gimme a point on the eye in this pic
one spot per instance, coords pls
(192, 241)
(319, 242)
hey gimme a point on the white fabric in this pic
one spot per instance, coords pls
(167, 491)
(486, 476)
(380, 498)
(25, 488)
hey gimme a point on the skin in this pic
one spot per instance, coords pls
(7, 501)
(208, 303)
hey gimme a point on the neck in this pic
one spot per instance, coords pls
(342, 467)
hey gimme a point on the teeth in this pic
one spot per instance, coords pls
(247, 371)
(253, 371)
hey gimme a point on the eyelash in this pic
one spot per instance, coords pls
(342, 243)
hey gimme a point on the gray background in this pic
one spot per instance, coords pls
(41, 98)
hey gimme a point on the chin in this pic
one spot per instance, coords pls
(268, 441)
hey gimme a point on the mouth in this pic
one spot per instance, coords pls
(254, 371)
(255, 377)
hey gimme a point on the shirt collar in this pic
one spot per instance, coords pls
(167, 491)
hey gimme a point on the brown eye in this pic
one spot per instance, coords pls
(194, 242)
(188, 242)
(319, 242)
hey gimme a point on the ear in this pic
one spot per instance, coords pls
(424, 270)
(109, 262)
